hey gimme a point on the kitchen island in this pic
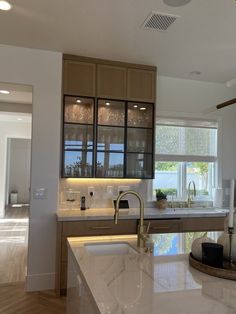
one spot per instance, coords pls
(99, 222)
(111, 275)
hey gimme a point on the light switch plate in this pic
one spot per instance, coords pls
(40, 193)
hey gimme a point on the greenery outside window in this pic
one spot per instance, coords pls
(186, 150)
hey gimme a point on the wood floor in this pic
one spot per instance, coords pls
(13, 262)
(14, 300)
(13, 245)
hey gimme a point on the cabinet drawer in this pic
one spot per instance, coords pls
(100, 227)
(164, 226)
(203, 224)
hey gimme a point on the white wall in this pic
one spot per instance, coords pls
(190, 98)
(9, 129)
(19, 168)
(42, 70)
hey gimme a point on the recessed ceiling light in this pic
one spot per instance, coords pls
(135, 106)
(107, 104)
(5, 6)
(78, 100)
(19, 119)
(176, 3)
(142, 108)
(5, 92)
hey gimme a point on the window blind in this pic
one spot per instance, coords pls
(191, 140)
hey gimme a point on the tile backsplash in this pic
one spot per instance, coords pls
(99, 193)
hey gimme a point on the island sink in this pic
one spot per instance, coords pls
(97, 249)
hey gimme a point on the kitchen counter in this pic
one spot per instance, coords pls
(149, 213)
(128, 281)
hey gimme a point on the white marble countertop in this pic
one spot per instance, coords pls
(149, 213)
(135, 282)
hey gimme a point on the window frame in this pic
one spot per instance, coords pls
(184, 159)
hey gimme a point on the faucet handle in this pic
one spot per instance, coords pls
(148, 226)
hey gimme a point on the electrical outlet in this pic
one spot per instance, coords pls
(91, 190)
(110, 189)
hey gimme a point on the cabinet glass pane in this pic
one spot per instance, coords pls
(140, 115)
(78, 164)
(139, 140)
(110, 165)
(110, 138)
(139, 166)
(111, 112)
(79, 110)
(78, 137)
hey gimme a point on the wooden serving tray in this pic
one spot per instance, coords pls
(213, 271)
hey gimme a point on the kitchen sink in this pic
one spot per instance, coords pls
(109, 248)
(199, 210)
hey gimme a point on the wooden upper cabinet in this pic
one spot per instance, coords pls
(111, 81)
(79, 78)
(141, 85)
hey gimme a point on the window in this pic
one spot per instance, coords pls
(186, 150)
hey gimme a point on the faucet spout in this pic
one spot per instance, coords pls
(190, 198)
(141, 232)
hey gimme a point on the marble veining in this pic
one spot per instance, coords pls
(135, 282)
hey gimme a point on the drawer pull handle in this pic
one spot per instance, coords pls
(100, 227)
(160, 228)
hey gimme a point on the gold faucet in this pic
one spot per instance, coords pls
(190, 198)
(142, 230)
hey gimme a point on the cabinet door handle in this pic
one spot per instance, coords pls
(100, 227)
(160, 228)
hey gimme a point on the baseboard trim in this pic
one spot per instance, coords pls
(39, 282)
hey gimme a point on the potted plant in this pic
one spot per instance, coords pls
(161, 199)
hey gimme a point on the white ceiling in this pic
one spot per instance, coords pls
(21, 94)
(203, 39)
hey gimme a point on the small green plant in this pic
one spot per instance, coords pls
(160, 195)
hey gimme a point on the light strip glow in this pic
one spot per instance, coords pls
(101, 180)
(5, 6)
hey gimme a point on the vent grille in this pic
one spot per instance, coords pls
(159, 21)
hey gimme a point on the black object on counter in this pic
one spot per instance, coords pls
(123, 204)
(82, 206)
(212, 254)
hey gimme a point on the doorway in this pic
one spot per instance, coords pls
(15, 152)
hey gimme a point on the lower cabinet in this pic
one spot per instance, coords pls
(84, 228)
(125, 226)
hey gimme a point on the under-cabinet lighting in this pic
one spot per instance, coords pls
(5, 6)
(101, 180)
(5, 92)
(107, 104)
(142, 108)
(78, 101)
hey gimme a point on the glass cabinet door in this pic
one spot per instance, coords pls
(140, 115)
(78, 144)
(139, 140)
(139, 166)
(79, 110)
(111, 112)
(110, 165)
(110, 139)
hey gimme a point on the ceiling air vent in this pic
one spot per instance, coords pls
(159, 21)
